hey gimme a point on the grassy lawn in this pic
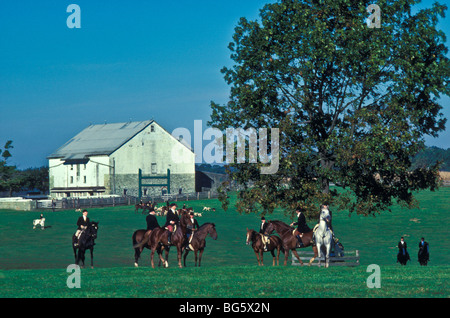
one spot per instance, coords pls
(33, 262)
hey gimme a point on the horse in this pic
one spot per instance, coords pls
(139, 206)
(289, 241)
(423, 254)
(323, 236)
(198, 241)
(85, 242)
(144, 207)
(137, 238)
(40, 222)
(403, 256)
(275, 242)
(159, 239)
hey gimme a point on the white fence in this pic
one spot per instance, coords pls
(350, 258)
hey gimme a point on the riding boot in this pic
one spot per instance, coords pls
(169, 238)
(300, 242)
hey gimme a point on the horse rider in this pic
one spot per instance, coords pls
(191, 228)
(424, 250)
(171, 220)
(82, 223)
(326, 205)
(402, 249)
(152, 223)
(302, 227)
(262, 229)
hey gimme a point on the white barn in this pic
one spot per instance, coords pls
(105, 159)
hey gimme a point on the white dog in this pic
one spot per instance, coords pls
(40, 222)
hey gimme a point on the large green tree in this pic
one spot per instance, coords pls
(352, 103)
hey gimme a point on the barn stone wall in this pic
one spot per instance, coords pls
(130, 183)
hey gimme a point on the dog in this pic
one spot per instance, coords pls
(40, 222)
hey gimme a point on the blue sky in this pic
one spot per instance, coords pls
(134, 60)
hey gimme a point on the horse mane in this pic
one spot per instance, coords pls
(205, 224)
(283, 225)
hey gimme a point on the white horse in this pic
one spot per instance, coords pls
(323, 236)
(40, 222)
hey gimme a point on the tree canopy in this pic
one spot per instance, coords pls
(352, 103)
(12, 179)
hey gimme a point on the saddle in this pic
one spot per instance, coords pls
(190, 240)
(171, 228)
(265, 239)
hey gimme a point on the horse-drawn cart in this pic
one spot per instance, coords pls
(351, 258)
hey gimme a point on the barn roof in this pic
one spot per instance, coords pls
(98, 140)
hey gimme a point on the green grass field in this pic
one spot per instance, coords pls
(33, 262)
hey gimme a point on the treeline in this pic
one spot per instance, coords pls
(430, 155)
(14, 180)
(29, 180)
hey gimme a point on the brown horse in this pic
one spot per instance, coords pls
(275, 243)
(159, 238)
(198, 241)
(144, 207)
(289, 241)
(139, 245)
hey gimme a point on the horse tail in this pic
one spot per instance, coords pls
(133, 238)
(135, 243)
(139, 245)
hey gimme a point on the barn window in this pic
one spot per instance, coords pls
(154, 168)
(84, 179)
(71, 179)
(152, 128)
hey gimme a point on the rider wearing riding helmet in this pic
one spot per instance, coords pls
(302, 227)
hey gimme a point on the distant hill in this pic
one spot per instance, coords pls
(425, 158)
(430, 155)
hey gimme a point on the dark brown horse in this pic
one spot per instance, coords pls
(275, 243)
(159, 238)
(86, 242)
(289, 241)
(139, 245)
(198, 242)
